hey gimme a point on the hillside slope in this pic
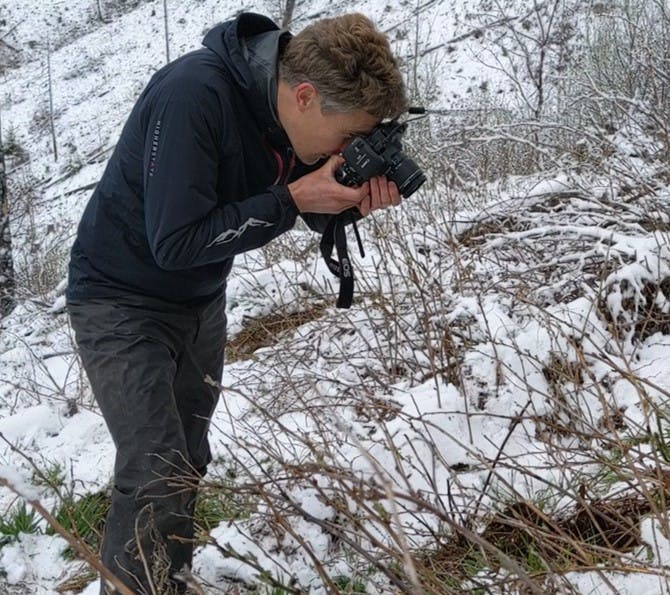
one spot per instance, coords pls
(492, 413)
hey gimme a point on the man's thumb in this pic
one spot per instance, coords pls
(334, 163)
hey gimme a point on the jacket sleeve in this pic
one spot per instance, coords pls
(185, 224)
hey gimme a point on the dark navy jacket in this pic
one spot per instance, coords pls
(199, 175)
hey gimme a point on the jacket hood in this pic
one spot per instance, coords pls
(249, 46)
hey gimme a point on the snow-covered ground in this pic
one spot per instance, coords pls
(494, 355)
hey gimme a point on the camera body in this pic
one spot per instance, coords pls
(380, 153)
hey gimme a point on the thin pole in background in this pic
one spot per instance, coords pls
(167, 37)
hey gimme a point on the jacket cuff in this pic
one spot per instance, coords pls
(286, 203)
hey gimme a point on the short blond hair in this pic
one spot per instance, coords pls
(350, 64)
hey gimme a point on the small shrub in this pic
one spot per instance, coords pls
(12, 149)
(346, 584)
(53, 476)
(20, 519)
(212, 508)
(84, 518)
(39, 274)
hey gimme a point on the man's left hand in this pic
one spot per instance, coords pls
(382, 194)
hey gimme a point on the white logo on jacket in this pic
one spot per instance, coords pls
(232, 234)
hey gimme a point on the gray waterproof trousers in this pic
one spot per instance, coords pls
(146, 361)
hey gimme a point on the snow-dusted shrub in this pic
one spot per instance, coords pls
(584, 89)
(14, 152)
(636, 299)
(623, 78)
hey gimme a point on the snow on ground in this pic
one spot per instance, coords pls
(423, 424)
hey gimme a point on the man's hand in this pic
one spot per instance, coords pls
(382, 194)
(320, 192)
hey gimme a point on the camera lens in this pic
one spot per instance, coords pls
(407, 176)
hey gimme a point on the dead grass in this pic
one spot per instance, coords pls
(643, 311)
(480, 231)
(76, 583)
(595, 531)
(268, 330)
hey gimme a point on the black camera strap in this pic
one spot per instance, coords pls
(335, 236)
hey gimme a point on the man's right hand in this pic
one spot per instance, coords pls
(320, 192)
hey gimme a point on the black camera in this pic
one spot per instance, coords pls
(380, 153)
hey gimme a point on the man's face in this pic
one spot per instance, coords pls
(322, 135)
(315, 135)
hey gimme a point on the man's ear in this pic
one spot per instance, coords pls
(305, 95)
